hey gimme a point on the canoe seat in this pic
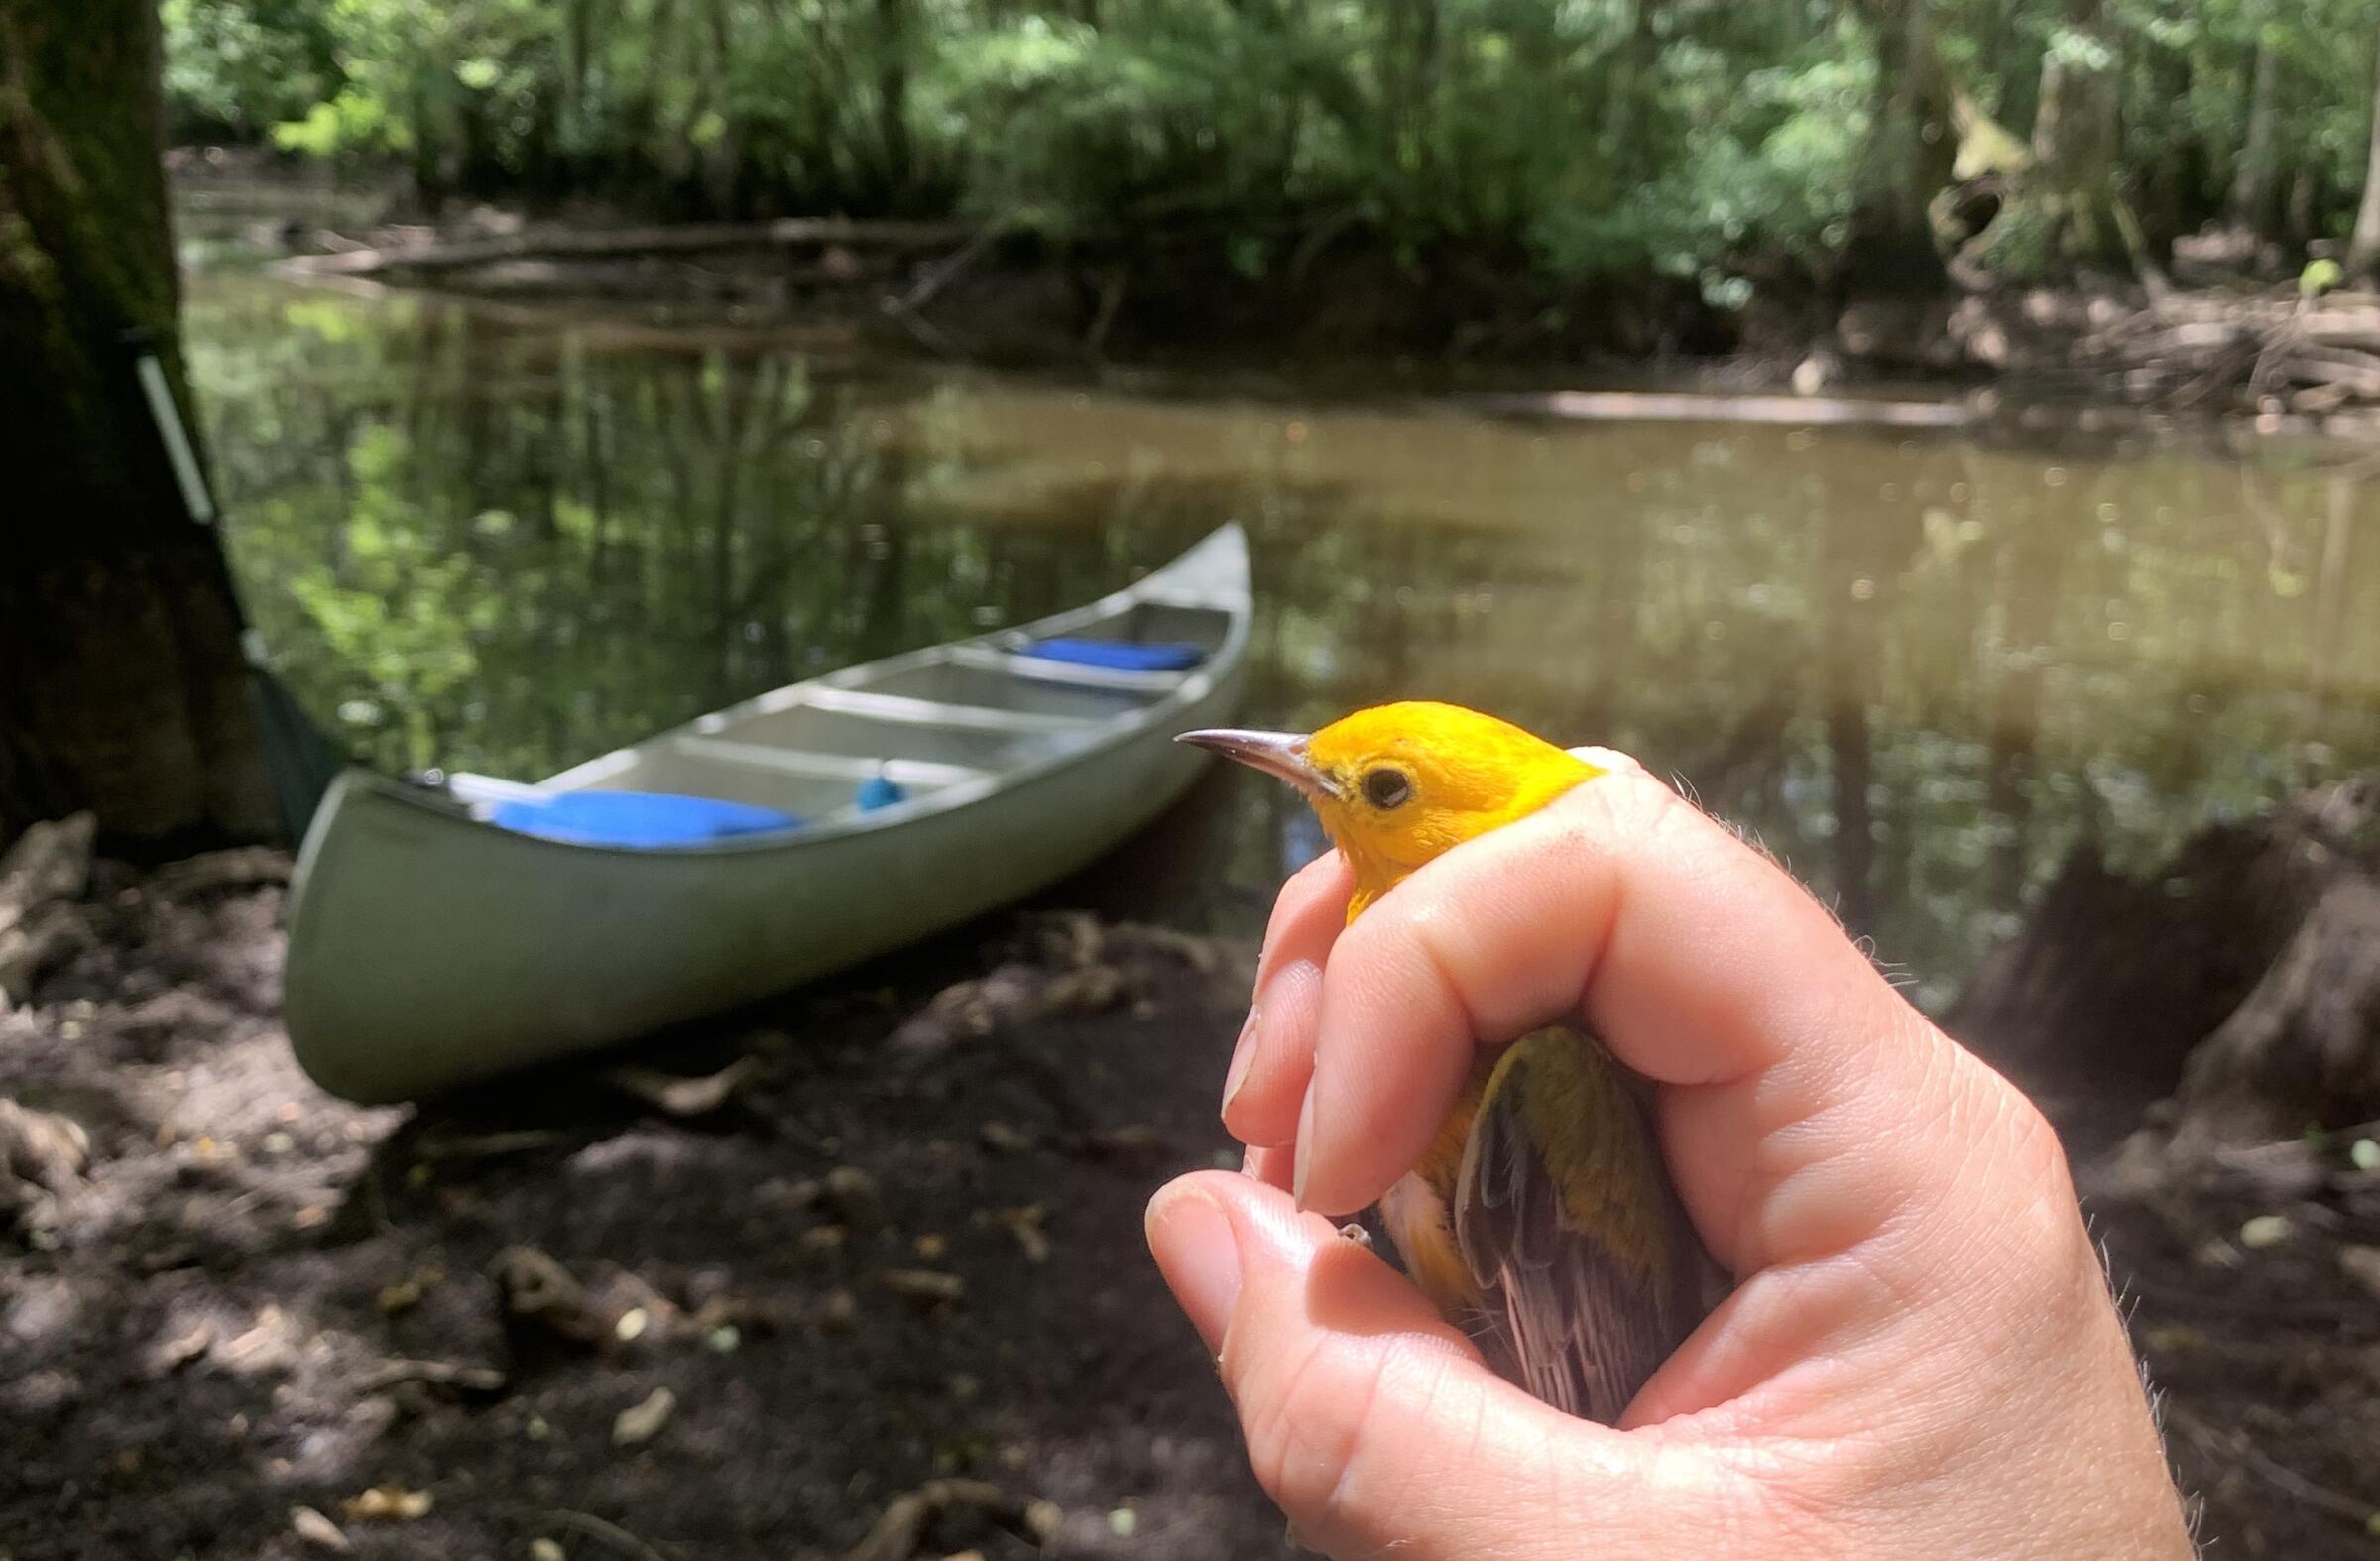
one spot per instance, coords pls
(879, 791)
(1120, 655)
(639, 820)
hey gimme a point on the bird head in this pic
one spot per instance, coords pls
(1396, 784)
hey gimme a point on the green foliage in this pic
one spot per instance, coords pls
(237, 67)
(1687, 137)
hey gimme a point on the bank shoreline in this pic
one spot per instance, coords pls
(2265, 357)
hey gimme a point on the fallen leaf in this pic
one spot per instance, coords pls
(852, 1191)
(642, 1422)
(2362, 1264)
(2216, 1253)
(2266, 1229)
(684, 1097)
(179, 1352)
(1132, 1138)
(838, 1311)
(386, 1503)
(924, 1285)
(318, 1530)
(1001, 1139)
(778, 1192)
(537, 1288)
(1025, 1225)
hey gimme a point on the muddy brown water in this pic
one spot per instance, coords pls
(1923, 665)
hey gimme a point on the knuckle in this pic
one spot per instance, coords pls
(1304, 1432)
(1623, 804)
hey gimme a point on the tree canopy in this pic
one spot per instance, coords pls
(1708, 141)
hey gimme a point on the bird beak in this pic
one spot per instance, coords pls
(1278, 754)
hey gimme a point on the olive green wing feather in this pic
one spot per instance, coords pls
(1566, 1217)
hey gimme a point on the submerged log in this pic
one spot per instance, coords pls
(1689, 407)
(692, 238)
(2242, 979)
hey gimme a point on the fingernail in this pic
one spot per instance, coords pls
(1305, 1151)
(1200, 1258)
(1243, 1054)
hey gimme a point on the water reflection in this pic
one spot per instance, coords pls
(1919, 668)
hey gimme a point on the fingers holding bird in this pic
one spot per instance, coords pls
(1274, 1057)
(1354, 1395)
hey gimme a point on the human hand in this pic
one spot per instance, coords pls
(1921, 1356)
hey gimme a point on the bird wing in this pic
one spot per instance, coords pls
(1564, 1215)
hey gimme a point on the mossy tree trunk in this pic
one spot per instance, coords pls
(121, 685)
(2363, 250)
(1905, 161)
(2060, 217)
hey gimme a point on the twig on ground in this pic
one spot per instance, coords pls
(603, 1531)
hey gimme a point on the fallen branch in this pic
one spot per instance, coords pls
(2239, 1448)
(942, 276)
(630, 243)
(462, 1378)
(603, 1531)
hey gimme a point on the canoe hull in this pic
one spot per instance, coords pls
(430, 950)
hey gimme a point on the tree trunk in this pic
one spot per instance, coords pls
(2259, 166)
(2061, 215)
(1906, 158)
(121, 685)
(2364, 251)
(2242, 977)
(893, 49)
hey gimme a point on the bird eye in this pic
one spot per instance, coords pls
(1386, 788)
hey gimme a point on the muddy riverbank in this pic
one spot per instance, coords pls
(895, 1241)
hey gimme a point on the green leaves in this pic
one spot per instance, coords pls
(1583, 138)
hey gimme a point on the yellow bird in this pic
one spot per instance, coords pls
(1541, 1218)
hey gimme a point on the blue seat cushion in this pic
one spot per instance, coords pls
(642, 821)
(1120, 656)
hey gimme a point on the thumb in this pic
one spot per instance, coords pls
(1377, 1427)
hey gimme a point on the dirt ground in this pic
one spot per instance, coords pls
(582, 1317)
